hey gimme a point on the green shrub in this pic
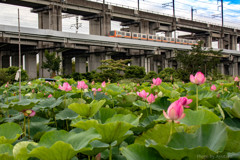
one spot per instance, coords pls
(150, 75)
(8, 75)
(168, 75)
(107, 75)
(134, 72)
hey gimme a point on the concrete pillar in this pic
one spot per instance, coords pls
(235, 66)
(153, 27)
(67, 65)
(136, 61)
(15, 60)
(233, 42)
(43, 73)
(221, 68)
(95, 61)
(101, 25)
(80, 64)
(144, 27)
(31, 65)
(155, 66)
(208, 41)
(5, 61)
(50, 18)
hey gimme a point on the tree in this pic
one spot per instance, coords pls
(199, 59)
(52, 63)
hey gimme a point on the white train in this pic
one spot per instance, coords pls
(149, 37)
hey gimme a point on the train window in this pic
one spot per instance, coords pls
(139, 35)
(159, 38)
(111, 33)
(123, 33)
(128, 34)
(119, 33)
(185, 41)
(150, 37)
(172, 39)
(144, 36)
(154, 37)
(178, 40)
(134, 35)
(165, 38)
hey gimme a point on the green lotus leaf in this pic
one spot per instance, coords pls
(61, 145)
(142, 105)
(104, 114)
(87, 110)
(126, 100)
(24, 104)
(98, 147)
(160, 134)
(199, 117)
(113, 131)
(85, 125)
(113, 90)
(140, 152)
(209, 139)
(129, 118)
(38, 126)
(20, 151)
(161, 104)
(6, 152)
(66, 114)
(9, 132)
(48, 103)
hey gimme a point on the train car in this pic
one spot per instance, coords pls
(149, 37)
(144, 36)
(136, 35)
(152, 37)
(159, 39)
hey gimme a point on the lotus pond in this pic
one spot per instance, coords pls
(69, 120)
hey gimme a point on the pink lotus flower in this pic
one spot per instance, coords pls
(65, 87)
(82, 85)
(198, 79)
(138, 84)
(29, 112)
(236, 79)
(98, 156)
(151, 98)
(95, 90)
(185, 101)
(143, 94)
(175, 111)
(50, 95)
(213, 87)
(7, 85)
(157, 81)
(93, 83)
(103, 84)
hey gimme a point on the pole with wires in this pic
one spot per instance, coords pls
(174, 20)
(19, 49)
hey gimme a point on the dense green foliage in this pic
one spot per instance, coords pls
(117, 123)
(52, 63)
(134, 72)
(199, 59)
(8, 75)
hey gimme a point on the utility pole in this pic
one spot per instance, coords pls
(222, 12)
(174, 19)
(192, 10)
(19, 49)
(138, 5)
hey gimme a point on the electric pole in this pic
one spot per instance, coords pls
(192, 10)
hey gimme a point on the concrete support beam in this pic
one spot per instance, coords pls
(80, 64)
(221, 68)
(5, 61)
(233, 42)
(235, 66)
(67, 65)
(50, 18)
(15, 60)
(31, 65)
(100, 26)
(95, 61)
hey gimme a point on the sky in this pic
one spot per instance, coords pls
(204, 10)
